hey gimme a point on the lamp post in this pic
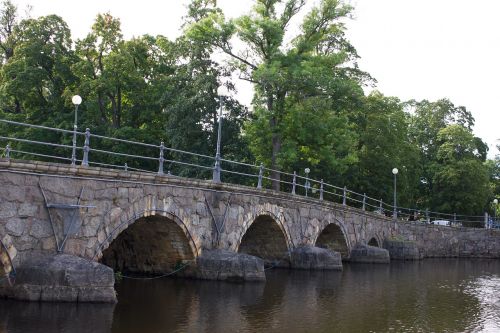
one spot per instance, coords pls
(395, 213)
(76, 100)
(306, 185)
(495, 204)
(216, 174)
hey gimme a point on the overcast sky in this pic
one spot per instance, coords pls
(420, 49)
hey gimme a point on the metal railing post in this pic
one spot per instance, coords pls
(427, 217)
(454, 219)
(161, 159)
(73, 151)
(364, 201)
(321, 190)
(381, 208)
(261, 173)
(217, 168)
(86, 148)
(294, 183)
(125, 167)
(7, 152)
(306, 183)
(344, 199)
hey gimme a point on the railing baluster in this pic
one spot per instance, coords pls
(381, 208)
(161, 159)
(364, 201)
(294, 183)
(125, 167)
(344, 200)
(73, 151)
(86, 148)
(261, 173)
(7, 152)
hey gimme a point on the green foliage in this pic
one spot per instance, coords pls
(385, 144)
(316, 64)
(460, 178)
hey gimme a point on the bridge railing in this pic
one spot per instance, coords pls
(56, 145)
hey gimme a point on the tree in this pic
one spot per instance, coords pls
(430, 117)
(384, 144)
(38, 72)
(96, 69)
(316, 63)
(427, 119)
(8, 23)
(460, 177)
(189, 99)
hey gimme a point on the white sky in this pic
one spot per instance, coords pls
(420, 49)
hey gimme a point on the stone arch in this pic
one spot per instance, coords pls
(374, 242)
(334, 237)
(118, 219)
(152, 244)
(266, 237)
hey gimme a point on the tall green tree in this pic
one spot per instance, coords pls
(427, 119)
(317, 62)
(39, 71)
(384, 144)
(8, 24)
(100, 56)
(460, 177)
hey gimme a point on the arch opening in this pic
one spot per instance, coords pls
(151, 245)
(265, 239)
(373, 242)
(333, 238)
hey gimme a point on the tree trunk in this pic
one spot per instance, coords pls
(275, 175)
(18, 106)
(114, 115)
(119, 108)
(276, 145)
(102, 111)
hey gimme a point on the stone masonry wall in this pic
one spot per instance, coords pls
(209, 215)
(443, 241)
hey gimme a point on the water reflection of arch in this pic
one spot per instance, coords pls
(35, 317)
(154, 241)
(334, 236)
(221, 307)
(156, 305)
(265, 235)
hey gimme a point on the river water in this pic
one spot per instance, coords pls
(428, 296)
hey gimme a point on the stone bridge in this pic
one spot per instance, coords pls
(143, 222)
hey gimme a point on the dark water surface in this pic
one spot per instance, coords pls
(427, 296)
